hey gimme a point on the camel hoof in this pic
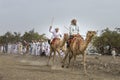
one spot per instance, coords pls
(86, 74)
(62, 66)
(47, 65)
(67, 66)
(61, 61)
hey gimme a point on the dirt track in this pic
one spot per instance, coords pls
(26, 67)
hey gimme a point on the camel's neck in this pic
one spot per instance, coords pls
(87, 41)
(62, 43)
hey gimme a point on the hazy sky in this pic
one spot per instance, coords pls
(24, 15)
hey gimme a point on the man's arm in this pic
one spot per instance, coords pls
(78, 30)
(50, 29)
(60, 34)
(70, 30)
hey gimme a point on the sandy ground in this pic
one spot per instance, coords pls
(26, 67)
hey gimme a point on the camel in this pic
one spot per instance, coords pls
(55, 46)
(78, 46)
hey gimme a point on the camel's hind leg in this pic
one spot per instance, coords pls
(74, 62)
(50, 56)
(70, 57)
(63, 61)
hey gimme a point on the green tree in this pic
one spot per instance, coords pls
(17, 36)
(31, 35)
(2, 40)
(107, 38)
(9, 37)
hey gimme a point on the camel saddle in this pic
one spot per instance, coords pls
(73, 38)
(54, 40)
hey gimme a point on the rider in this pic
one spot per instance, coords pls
(55, 34)
(73, 30)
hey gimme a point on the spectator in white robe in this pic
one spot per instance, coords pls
(38, 48)
(9, 48)
(16, 48)
(21, 48)
(18, 45)
(47, 50)
(13, 48)
(113, 52)
(1, 48)
(33, 47)
(43, 47)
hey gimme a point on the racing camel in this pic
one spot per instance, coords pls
(78, 46)
(55, 46)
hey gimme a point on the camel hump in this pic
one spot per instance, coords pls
(78, 36)
(66, 34)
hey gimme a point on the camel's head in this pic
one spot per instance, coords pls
(66, 36)
(91, 33)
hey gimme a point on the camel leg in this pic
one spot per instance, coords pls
(74, 62)
(63, 61)
(54, 57)
(58, 51)
(70, 57)
(50, 56)
(66, 54)
(84, 62)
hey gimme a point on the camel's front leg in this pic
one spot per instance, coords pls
(84, 62)
(54, 57)
(58, 51)
(63, 61)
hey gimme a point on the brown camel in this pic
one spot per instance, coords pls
(55, 46)
(78, 46)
